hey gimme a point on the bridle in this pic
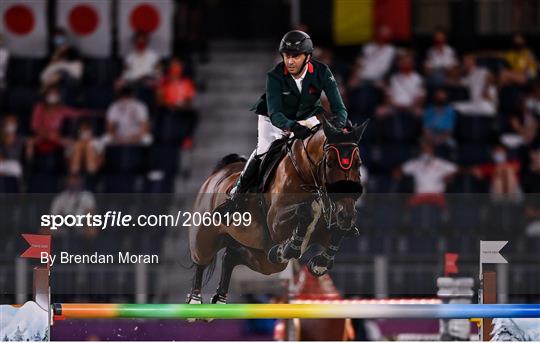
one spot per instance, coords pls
(317, 181)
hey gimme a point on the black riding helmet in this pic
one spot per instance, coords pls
(296, 42)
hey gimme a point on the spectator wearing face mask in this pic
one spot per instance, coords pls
(482, 90)
(376, 59)
(73, 200)
(441, 58)
(65, 65)
(526, 124)
(47, 119)
(87, 155)
(127, 121)
(11, 148)
(522, 62)
(406, 91)
(175, 94)
(503, 175)
(439, 119)
(141, 63)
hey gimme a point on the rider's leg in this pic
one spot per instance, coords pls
(267, 134)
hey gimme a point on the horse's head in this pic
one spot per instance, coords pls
(341, 169)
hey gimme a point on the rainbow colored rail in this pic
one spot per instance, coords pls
(254, 311)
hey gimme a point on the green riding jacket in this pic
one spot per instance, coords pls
(284, 104)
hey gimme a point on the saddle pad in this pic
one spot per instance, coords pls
(271, 160)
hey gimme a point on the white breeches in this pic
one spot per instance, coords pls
(268, 133)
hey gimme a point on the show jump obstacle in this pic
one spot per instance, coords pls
(289, 311)
(328, 309)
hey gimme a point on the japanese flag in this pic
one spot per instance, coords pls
(154, 17)
(88, 23)
(23, 24)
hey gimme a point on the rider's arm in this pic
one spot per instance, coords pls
(331, 90)
(275, 104)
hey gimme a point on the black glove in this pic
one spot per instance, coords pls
(300, 131)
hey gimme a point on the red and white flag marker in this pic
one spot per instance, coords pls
(23, 24)
(88, 23)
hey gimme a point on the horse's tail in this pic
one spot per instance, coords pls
(229, 159)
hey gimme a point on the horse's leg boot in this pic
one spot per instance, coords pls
(322, 263)
(293, 247)
(193, 298)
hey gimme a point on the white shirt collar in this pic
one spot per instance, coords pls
(299, 80)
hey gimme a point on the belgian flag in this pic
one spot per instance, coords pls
(355, 21)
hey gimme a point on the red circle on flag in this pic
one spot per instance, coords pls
(83, 19)
(19, 19)
(144, 18)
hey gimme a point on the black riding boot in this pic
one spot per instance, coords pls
(242, 185)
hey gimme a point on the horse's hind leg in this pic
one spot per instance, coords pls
(231, 259)
(195, 297)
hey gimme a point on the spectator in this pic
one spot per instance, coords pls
(439, 119)
(482, 90)
(73, 200)
(4, 59)
(176, 93)
(47, 120)
(441, 58)
(141, 63)
(87, 156)
(65, 68)
(526, 125)
(127, 121)
(376, 60)
(429, 172)
(502, 174)
(522, 62)
(406, 90)
(11, 148)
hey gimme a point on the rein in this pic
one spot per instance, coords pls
(318, 185)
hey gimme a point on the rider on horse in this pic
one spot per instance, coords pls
(290, 104)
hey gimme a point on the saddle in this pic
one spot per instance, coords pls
(270, 161)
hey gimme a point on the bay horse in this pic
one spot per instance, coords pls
(318, 178)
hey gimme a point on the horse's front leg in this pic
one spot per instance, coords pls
(292, 247)
(322, 263)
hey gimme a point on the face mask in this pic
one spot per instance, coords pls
(499, 157)
(175, 71)
(59, 40)
(10, 128)
(140, 45)
(53, 99)
(440, 41)
(406, 68)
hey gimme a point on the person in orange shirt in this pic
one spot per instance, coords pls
(175, 94)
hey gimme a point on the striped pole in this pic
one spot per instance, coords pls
(289, 311)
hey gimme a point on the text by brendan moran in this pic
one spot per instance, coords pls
(120, 258)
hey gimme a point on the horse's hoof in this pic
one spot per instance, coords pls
(320, 265)
(217, 299)
(315, 270)
(275, 254)
(193, 299)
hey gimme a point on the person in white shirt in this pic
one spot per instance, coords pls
(429, 172)
(142, 61)
(440, 59)
(65, 65)
(127, 121)
(406, 89)
(482, 90)
(376, 59)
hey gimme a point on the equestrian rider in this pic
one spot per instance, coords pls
(290, 104)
